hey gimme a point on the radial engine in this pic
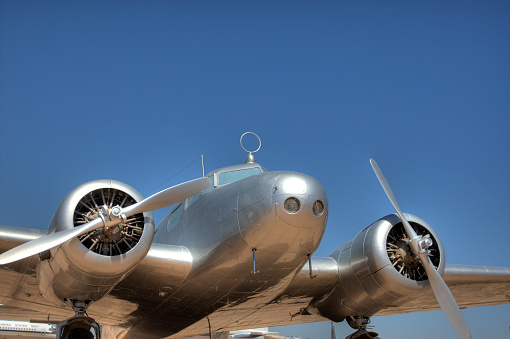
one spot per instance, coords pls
(378, 270)
(86, 268)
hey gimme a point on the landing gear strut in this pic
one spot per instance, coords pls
(80, 326)
(360, 324)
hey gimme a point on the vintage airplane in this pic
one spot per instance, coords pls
(235, 252)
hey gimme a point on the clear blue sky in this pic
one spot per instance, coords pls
(135, 91)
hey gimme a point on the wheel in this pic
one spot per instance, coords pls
(79, 333)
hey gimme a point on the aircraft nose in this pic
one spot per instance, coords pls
(300, 200)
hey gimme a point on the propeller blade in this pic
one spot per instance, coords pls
(46, 242)
(161, 199)
(389, 193)
(442, 293)
(168, 196)
(446, 300)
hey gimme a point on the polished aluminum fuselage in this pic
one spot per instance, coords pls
(230, 231)
(234, 258)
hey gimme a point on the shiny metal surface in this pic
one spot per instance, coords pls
(368, 282)
(241, 142)
(72, 271)
(240, 217)
(419, 246)
(168, 197)
(198, 271)
(108, 217)
(11, 237)
(163, 269)
(470, 285)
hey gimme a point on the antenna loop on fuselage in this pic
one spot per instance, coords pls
(241, 141)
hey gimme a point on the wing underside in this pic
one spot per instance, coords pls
(21, 299)
(471, 285)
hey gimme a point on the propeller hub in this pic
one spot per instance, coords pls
(402, 254)
(117, 235)
(115, 213)
(425, 242)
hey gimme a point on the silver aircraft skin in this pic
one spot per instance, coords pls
(234, 255)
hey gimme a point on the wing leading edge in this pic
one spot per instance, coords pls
(162, 270)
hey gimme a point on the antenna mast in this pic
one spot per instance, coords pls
(250, 158)
(203, 168)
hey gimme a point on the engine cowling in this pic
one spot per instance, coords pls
(377, 271)
(87, 267)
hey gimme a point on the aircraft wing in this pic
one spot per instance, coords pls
(164, 267)
(19, 292)
(471, 286)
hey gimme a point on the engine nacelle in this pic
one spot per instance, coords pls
(377, 271)
(87, 267)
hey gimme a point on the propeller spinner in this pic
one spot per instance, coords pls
(419, 245)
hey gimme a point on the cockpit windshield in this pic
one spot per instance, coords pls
(232, 176)
(227, 177)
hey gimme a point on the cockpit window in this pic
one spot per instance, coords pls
(194, 198)
(232, 176)
(174, 218)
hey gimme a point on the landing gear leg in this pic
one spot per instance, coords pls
(80, 326)
(360, 324)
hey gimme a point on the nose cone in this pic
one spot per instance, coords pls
(300, 200)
